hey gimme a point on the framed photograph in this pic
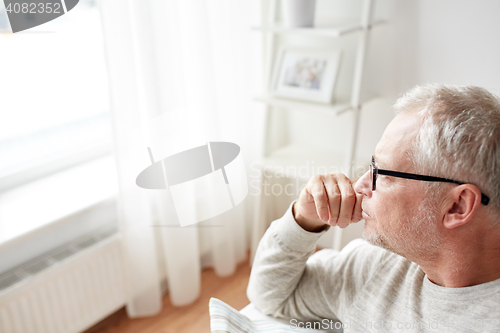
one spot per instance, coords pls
(305, 74)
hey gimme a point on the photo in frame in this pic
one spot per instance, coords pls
(305, 74)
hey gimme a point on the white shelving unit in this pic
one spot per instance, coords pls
(295, 154)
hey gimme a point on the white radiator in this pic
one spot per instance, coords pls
(65, 291)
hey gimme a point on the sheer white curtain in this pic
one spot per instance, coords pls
(182, 73)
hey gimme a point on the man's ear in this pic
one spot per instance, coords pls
(462, 203)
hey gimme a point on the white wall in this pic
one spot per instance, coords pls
(456, 42)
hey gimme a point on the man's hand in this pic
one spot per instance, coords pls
(328, 199)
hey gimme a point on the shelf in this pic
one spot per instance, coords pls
(329, 31)
(303, 162)
(337, 108)
(340, 107)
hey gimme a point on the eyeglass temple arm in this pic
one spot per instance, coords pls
(484, 198)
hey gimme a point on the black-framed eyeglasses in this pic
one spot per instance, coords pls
(375, 171)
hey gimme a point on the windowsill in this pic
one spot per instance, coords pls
(31, 209)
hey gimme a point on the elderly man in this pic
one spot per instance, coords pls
(431, 205)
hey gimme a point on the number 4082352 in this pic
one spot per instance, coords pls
(34, 8)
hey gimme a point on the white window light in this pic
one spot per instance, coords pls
(54, 108)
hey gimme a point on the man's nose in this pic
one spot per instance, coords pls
(364, 185)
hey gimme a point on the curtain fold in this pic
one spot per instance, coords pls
(181, 73)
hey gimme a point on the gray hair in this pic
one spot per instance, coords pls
(459, 137)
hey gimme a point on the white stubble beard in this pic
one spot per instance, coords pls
(417, 236)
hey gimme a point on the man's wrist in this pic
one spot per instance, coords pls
(306, 224)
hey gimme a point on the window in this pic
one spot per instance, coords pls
(57, 177)
(54, 99)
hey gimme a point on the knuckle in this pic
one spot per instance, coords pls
(349, 193)
(318, 194)
(316, 178)
(335, 177)
(341, 177)
(335, 194)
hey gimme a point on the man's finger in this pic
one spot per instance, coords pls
(334, 197)
(348, 200)
(317, 190)
(356, 213)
